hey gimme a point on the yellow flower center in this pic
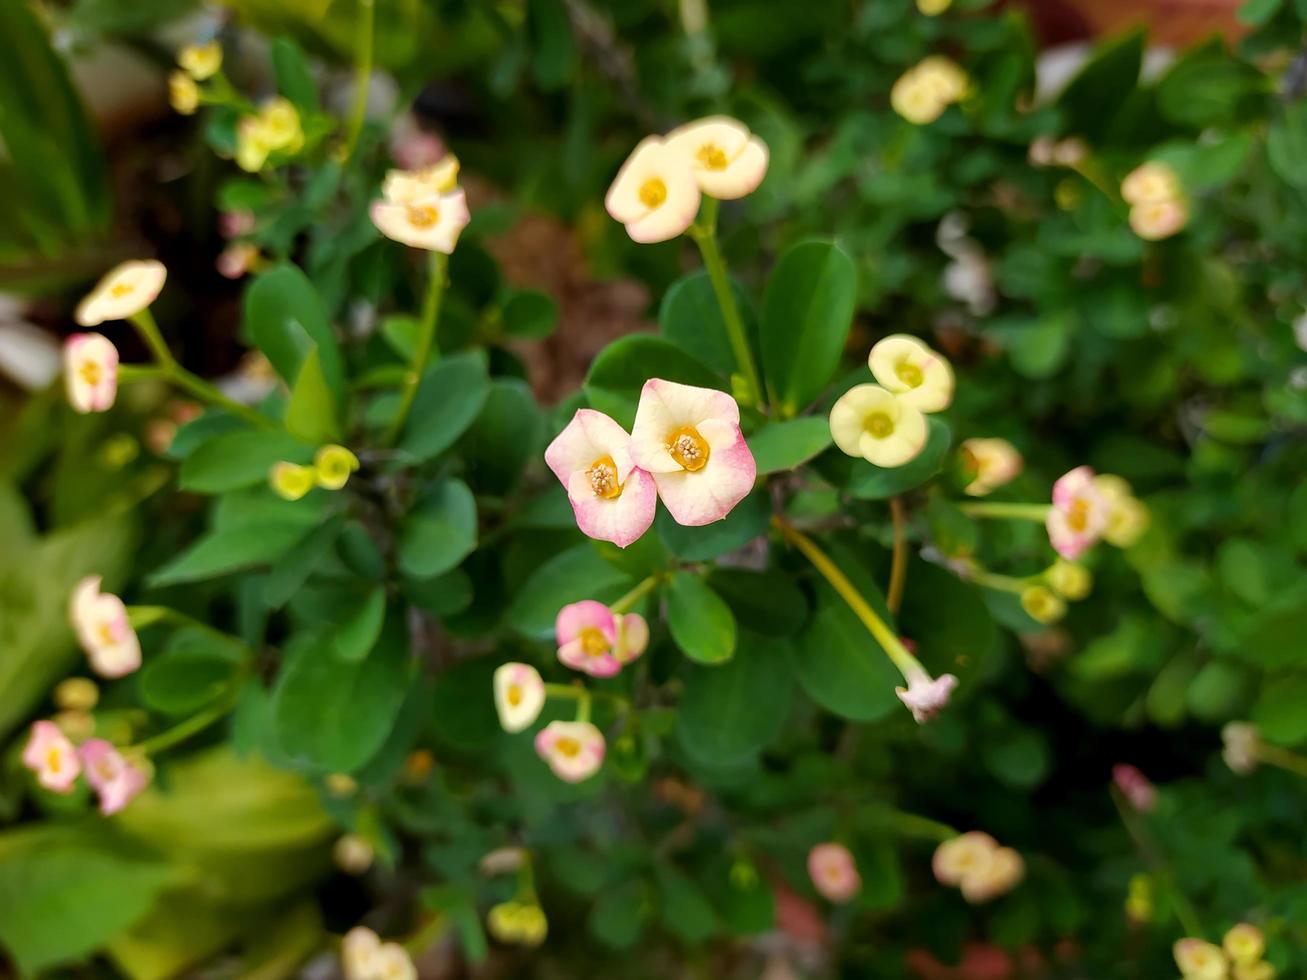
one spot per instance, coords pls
(593, 642)
(653, 192)
(603, 478)
(712, 156)
(54, 760)
(1078, 517)
(89, 371)
(514, 695)
(105, 632)
(879, 425)
(120, 289)
(423, 215)
(688, 448)
(568, 746)
(909, 374)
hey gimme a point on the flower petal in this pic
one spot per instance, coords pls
(621, 520)
(709, 494)
(581, 615)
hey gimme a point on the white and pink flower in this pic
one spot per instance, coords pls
(926, 696)
(52, 757)
(103, 629)
(587, 634)
(632, 636)
(433, 222)
(612, 498)
(918, 375)
(727, 160)
(124, 292)
(834, 872)
(689, 439)
(1137, 788)
(115, 780)
(519, 695)
(989, 463)
(90, 372)
(574, 750)
(1079, 515)
(655, 194)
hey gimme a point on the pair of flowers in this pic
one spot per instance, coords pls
(834, 872)
(1088, 507)
(331, 470)
(274, 130)
(976, 864)
(574, 750)
(1239, 957)
(1158, 208)
(197, 63)
(685, 447)
(657, 192)
(363, 956)
(885, 423)
(423, 208)
(57, 765)
(923, 92)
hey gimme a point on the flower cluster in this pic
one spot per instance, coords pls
(1158, 208)
(1049, 152)
(275, 131)
(595, 641)
(197, 63)
(1239, 957)
(924, 91)
(574, 750)
(834, 872)
(331, 470)
(885, 423)
(976, 864)
(686, 448)
(363, 956)
(657, 192)
(423, 208)
(1089, 507)
(57, 764)
(1241, 744)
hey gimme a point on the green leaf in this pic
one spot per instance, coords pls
(1257, 12)
(685, 910)
(1279, 712)
(702, 625)
(743, 524)
(1209, 87)
(619, 915)
(553, 49)
(311, 410)
(355, 637)
(194, 668)
(294, 80)
(621, 369)
(239, 459)
(690, 318)
(806, 313)
(462, 706)
(505, 436)
(439, 532)
(448, 400)
(530, 314)
(1286, 144)
(576, 574)
(1107, 79)
(781, 446)
(293, 569)
(1019, 757)
(731, 711)
(285, 318)
(769, 602)
(223, 551)
(871, 482)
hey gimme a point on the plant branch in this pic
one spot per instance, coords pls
(898, 571)
(362, 75)
(1018, 512)
(439, 264)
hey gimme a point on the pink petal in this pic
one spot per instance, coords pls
(708, 495)
(579, 615)
(622, 520)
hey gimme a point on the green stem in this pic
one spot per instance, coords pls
(425, 343)
(145, 325)
(421, 941)
(1154, 858)
(207, 392)
(128, 373)
(907, 664)
(915, 825)
(1276, 756)
(635, 595)
(362, 75)
(1000, 583)
(898, 570)
(191, 726)
(579, 693)
(1017, 512)
(704, 233)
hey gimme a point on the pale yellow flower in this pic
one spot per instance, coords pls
(332, 466)
(907, 367)
(1070, 580)
(183, 93)
(933, 8)
(726, 159)
(122, 293)
(1042, 604)
(1200, 960)
(290, 481)
(877, 425)
(201, 61)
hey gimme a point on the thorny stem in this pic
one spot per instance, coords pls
(898, 570)
(1018, 512)
(362, 75)
(425, 343)
(1183, 910)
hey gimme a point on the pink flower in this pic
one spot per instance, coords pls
(632, 637)
(573, 749)
(1080, 513)
(103, 629)
(925, 696)
(1135, 787)
(52, 757)
(236, 259)
(587, 634)
(612, 498)
(115, 780)
(689, 439)
(233, 224)
(834, 873)
(90, 372)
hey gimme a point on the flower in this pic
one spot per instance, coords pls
(923, 92)
(52, 757)
(1150, 183)
(332, 466)
(1200, 960)
(689, 440)
(989, 463)
(90, 372)
(1156, 220)
(432, 223)
(353, 854)
(962, 856)
(632, 636)
(236, 259)
(1042, 604)
(1242, 742)
(363, 956)
(908, 368)
(124, 292)
(183, 93)
(1003, 871)
(587, 638)
(1244, 944)
(925, 696)
(933, 8)
(726, 160)
(656, 193)
(291, 481)
(519, 695)
(1127, 517)
(276, 129)
(115, 780)
(1135, 787)
(573, 749)
(834, 873)
(1079, 515)
(517, 922)
(1069, 580)
(201, 61)
(873, 423)
(407, 186)
(503, 860)
(1261, 970)
(612, 498)
(103, 630)
(76, 694)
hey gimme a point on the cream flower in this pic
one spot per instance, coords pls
(1002, 873)
(1069, 580)
(689, 440)
(1155, 220)
(587, 635)
(365, 957)
(908, 368)
(115, 780)
(1042, 604)
(834, 872)
(353, 854)
(52, 757)
(1128, 517)
(407, 186)
(183, 93)
(124, 292)
(1241, 741)
(1079, 515)
(877, 425)
(963, 856)
(90, 372)
(1151, 183)
(519, 695)
(655, 194)
(923, 92)
(573, 749)
(926, 696)
(632, 637)
(1200, 960)
(612, 498)
(726, 159)
(103, 630)
(1244, 944)
(201, 61)
(332, 466)
(990, 464)
(433, 222)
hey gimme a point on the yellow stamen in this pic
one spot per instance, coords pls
(514, 696)
(712, 156)
(54, 760)
(909, 374)
(120, 289)
(603, 478)
(688, 448)
(89, 372)
(593, 642)
(423, 215)
(879, 424)
(653, 192)
(568, 746)
(1078, 517)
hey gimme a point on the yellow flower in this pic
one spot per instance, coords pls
(341, 784)
(276, 129)
(877, 425)
(532, 924)
(1139, 899)
(923, 92)
(933, 8)
(1042, 604)
(1200, 960)
(1244, 944)
(201, 61)
(1127, 516)
(1254, 971)
(989, 463)
(290, 481)
(332, 466)
(252, 147)
(183, 93)
(1150, 183)
(353, 854)
(1155, 220)
(123, 292)
(1070, 580)
(918, 375)
(76, 694)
